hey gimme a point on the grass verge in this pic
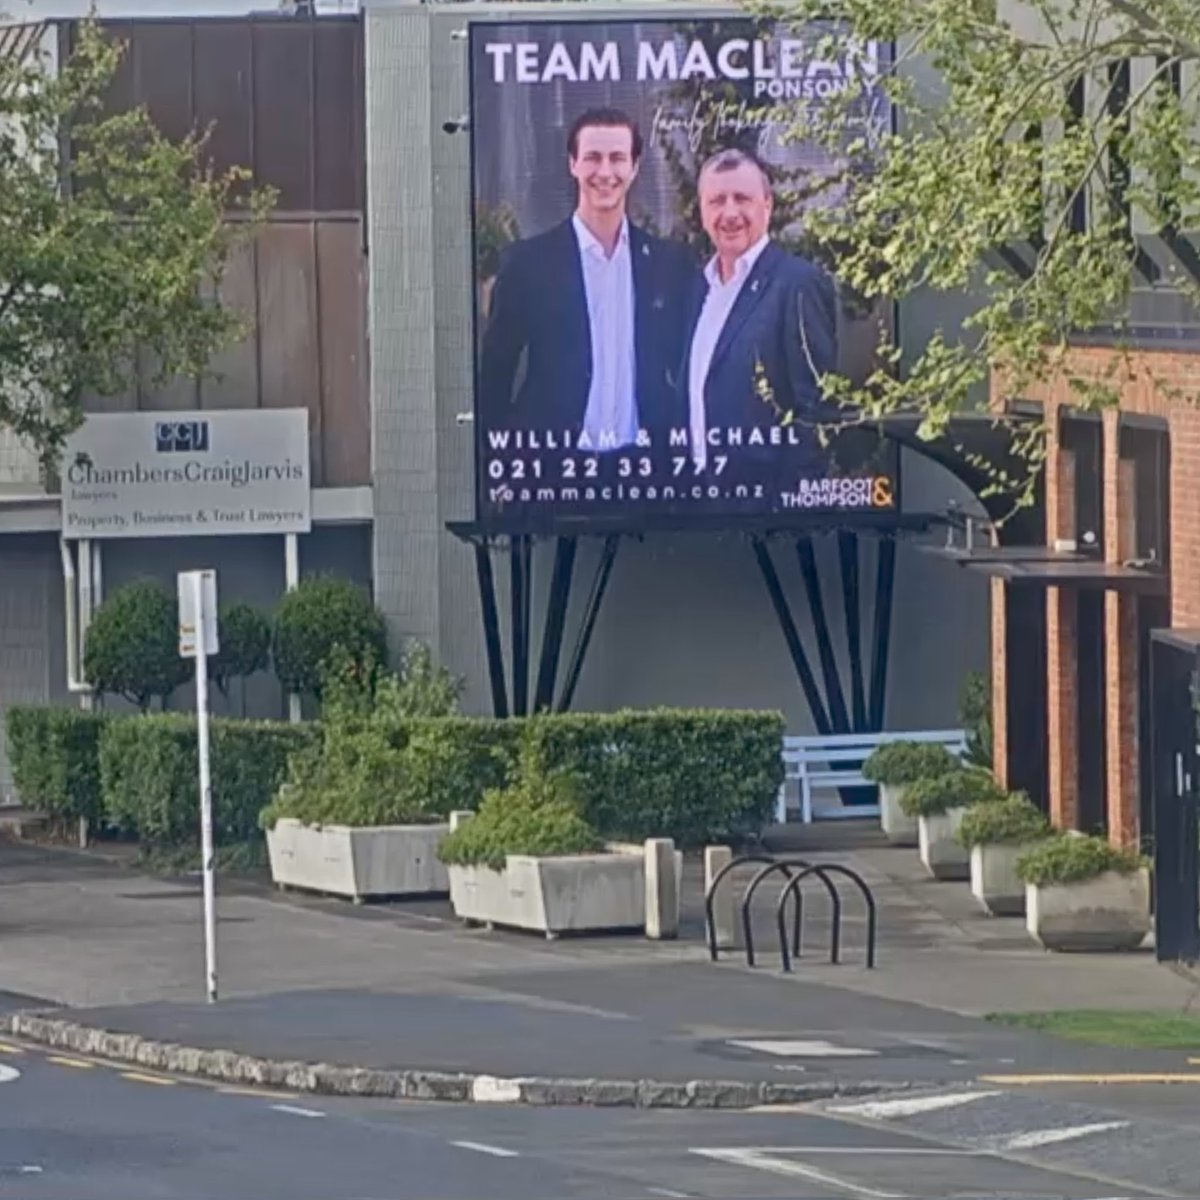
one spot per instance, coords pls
(1137, 1029)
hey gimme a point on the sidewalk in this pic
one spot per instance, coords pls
(405, 994)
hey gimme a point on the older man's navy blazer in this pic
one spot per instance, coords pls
(782, 329)
(536, 362)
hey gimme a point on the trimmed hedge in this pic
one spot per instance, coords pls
(148, 769)
(55, 758)
(691, 775)
(1068, 858)
(898, 763)
(1013, 821)
(959, 788)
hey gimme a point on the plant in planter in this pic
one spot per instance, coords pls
(1081, 893)
(939, 805)
(997, 835)
(893, 767)
(363, 810)
(529, 859)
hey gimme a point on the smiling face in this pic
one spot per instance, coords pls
(604, 168)
(735, 209)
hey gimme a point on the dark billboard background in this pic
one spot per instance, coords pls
(737, 440)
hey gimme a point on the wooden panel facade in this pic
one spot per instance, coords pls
(284, 97)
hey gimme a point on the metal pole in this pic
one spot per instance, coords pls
(206, 814)
(291, 567)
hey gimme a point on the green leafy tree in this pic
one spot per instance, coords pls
(327, 621)
(244, 636)
(113, 240)
(132, 647)
(1038, 135)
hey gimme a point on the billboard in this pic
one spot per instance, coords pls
(146, 474)
(652, 324)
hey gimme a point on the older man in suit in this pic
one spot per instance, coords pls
(588, 320)
(764, 321)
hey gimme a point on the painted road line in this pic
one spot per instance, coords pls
(1050, 1137)
(1047, 1080)
(77, 1063)
(294, 1110)
(9, 1074)
(138, 1077)
(257, 1093)
(759, 1161)
(885, 1110)
(669, 1192)
(802, 1049)
(8, 1048)
(484, 1148)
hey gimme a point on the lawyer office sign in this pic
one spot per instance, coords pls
(131, 475)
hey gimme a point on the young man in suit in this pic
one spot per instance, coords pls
(764, 322)
(595, 307)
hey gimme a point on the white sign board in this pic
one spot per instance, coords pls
(190, 619)
(129, 475)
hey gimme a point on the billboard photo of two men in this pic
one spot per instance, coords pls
(650, 343)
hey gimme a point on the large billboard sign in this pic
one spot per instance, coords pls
(653, 326)
(156, 474)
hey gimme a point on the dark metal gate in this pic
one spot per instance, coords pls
(1173, 692)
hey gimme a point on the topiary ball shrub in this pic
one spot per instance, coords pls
(959, 788)
(901, 763)
(132, 647)
(324, 617)
(244, 637)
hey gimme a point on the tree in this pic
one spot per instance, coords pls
(132, 645)
(325, 619)
(1056, 126)
(244, 637)
(113, 240)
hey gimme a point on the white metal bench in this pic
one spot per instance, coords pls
(813, 764)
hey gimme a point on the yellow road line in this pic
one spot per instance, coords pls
(138, 1077)
(77, 1063)
(1038, 1080)
(5, 1048)
(258, 1093)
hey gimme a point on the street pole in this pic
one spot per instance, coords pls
(206, 814)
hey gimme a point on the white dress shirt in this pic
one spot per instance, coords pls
(718, 304)
(611, 419)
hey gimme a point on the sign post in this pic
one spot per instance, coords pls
(198, 639)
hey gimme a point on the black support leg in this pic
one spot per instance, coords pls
(521, 603)
(885, 584)
(552, 631)
(851, 603)
(590, 613)
(808, 681)
(836, 702)
(491, 629)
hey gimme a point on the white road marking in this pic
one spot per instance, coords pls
(884, 1110)
(803, 1049)
(294, 1110)
(668, 1192)
(859, 1151)
(489, 1089)
(1049, 1137)
(29, 1170)
(484, 1148)
(759, 1161)
(8, 1074)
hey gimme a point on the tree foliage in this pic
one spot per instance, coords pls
(113, 240)
(1058, 126)
(132, 647)
(244, 637)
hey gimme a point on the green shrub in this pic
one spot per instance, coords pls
(1068, 858)
(55, 758)
(323, 615)
(975, 713)
(1010, 821)
(244, 635)
(132, 647)
(149, 773)
(537, 813)
(900, 763)
(957, 789)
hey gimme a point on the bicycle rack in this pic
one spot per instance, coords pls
(710, 926)
(793, 885)
(787, 865)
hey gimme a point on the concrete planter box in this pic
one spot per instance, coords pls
(1110, 912)
(941, 852)
(567, 894)
(994, 880)
(382, 860)
(898, 827)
